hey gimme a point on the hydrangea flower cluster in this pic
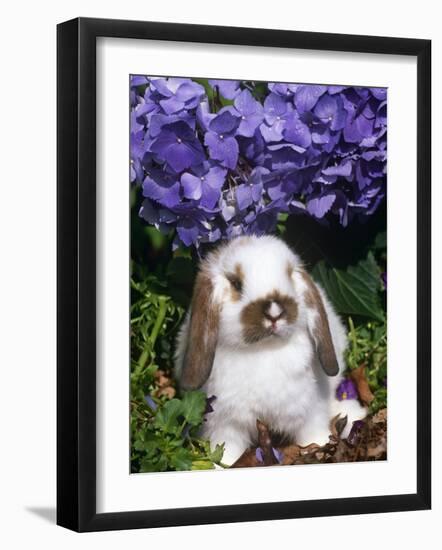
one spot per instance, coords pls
(226, 163)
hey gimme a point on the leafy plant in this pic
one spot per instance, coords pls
(354, 291)
(164, 428)
(154, 320)
(166, 438)
(368, 347)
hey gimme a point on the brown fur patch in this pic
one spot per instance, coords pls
(203, 334)
(289, 270)
(321, 333)
(236, 280)
(253, 315)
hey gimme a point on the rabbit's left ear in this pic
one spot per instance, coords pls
(203, 334)
(319, 327)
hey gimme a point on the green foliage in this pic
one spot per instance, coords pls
(357, 292)
(154, 318)
(368, 346)
(167, 437)
(164, 431)
(354, 291)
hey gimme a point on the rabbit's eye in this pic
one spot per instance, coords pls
(235, 282)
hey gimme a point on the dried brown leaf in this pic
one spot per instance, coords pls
(359, 378)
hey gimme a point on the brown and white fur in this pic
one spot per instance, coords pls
(264, 339)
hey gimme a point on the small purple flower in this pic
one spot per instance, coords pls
(178, 146)
(330, 111)
(276, 110)
(179, 93)
(384, 279)
(307, 96)
(346, 390)
(204, 184)
(250, 112)
(162, 187)
(296, 131)
(284, 90)
(250, 191)
(220, 139)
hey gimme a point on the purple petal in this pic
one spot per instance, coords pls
(192, 186)
(259, 455)
(224, 123)
(244, 196)
(246, 104)
(187, 230)
(223, 149)
(163, 189)
(248, 124)
(307, 96)
(343, 169)
(319, 206)
(379, 93)
(171, 105)
(297, 132)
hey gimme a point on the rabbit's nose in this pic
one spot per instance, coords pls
(273, 311)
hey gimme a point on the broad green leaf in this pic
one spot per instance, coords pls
(181, 459)
(149, 465)
(193, 406)
(166, 417)
(354, 291)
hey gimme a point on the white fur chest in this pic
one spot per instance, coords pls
(272, 382)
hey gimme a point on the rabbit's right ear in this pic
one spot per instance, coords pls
(319, 327)
(202, 336)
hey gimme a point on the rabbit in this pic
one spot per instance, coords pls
(263, 338)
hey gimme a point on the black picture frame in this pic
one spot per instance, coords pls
(76, 274)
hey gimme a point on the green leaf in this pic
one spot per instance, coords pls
(181, 459)
(149, 465)
(202, 465)
(217, 454)
(166, 418)
(193, 406)
(354, 291)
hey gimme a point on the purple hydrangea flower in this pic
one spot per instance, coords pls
(250, 113)
(209, 175)
(178, 146)
(204, 184)
(221, 141)
(179, 93)
(307, 96)
(162, 187)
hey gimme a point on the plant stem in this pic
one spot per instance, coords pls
(159, 320)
